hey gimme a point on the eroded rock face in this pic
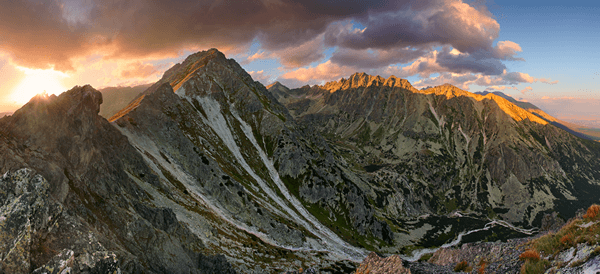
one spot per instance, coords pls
(24, 210)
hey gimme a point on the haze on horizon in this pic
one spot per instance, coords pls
(540, 51)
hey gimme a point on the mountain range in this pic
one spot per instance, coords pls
(209, 171)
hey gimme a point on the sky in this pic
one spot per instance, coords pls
(544, 52)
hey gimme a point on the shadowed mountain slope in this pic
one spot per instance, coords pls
(116, 98)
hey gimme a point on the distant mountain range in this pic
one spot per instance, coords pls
(208, 171)
(448, 149)
(577, 130)
(116, 98)
(523, 105)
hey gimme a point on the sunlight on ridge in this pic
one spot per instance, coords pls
(37, 81)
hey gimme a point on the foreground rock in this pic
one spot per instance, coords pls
(374, 264)
(498, 257)
(71, 198)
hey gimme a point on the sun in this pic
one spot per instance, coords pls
(38, 81)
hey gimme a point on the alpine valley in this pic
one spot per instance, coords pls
(209, 171)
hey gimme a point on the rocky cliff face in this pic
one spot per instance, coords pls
(443, 149)
(72, 197)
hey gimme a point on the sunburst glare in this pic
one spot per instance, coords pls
(37, 81)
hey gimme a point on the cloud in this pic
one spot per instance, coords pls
(36, 35)
(453, 61)
(260, 76)
(10, 77)
(138, 70)
(527, 90)
(323, 72)
(51, 33)
(301, 55)
(453, 38)
(500, 88)
(560, 98)
(293, 56)
(572, 109)
(377, 58)
(260, 55)
(465, 62)
(548, 81)
(506, 50)
(464, 80)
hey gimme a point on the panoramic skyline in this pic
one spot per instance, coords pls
(539, 51)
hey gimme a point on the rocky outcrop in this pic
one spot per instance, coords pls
(583, 258)
(494, 257)
(374, 264)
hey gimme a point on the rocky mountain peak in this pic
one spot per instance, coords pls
(449, 91)
(363, 80)
(179, 73)
(78, 99)
(394, 81)
(78, 106)
(275, 85)
(278, 90)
